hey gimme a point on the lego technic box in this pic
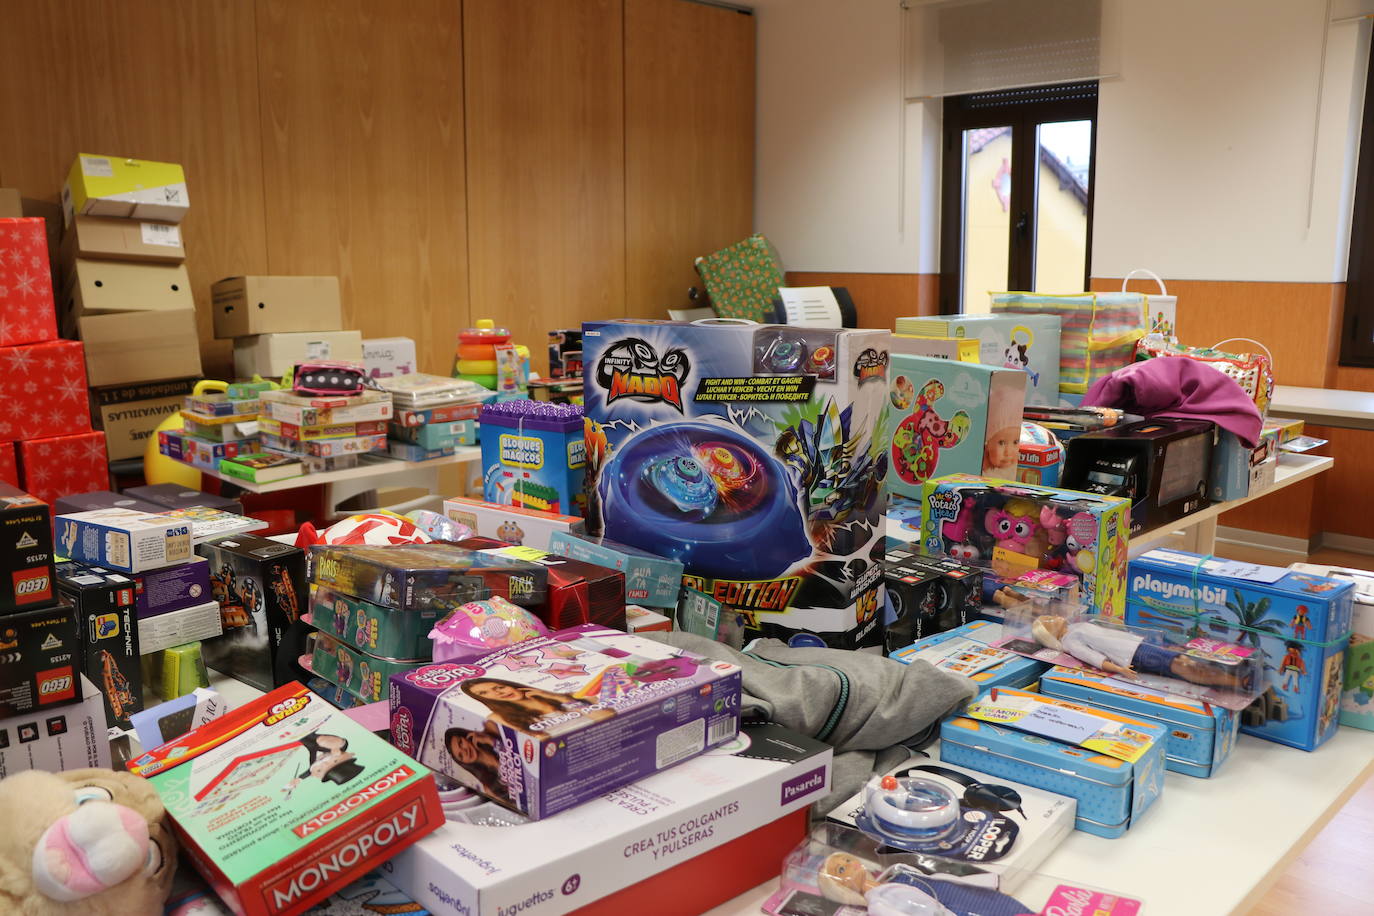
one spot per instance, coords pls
(752, 454)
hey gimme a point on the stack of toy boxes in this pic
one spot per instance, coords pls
(214, 426)
(534, 456)
(1298, 623)
(324, 433)
(278, 322)
(126, 293)
(434, 415)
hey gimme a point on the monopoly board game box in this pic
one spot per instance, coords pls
(284, 800)
(752, 454)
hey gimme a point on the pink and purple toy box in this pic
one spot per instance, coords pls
(549, 723)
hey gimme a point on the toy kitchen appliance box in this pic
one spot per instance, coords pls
(284, 800)
(752, 454)
(1298, 623)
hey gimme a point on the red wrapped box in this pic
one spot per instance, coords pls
(9, 464)
(43, 391)
(63, 465)
(26, 306)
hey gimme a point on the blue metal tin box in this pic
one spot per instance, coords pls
(967, 651)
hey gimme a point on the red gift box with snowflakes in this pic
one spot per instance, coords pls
(43, 391)
(63, 465)
(9, 464)
(26, 305)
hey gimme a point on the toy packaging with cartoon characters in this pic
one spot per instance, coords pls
(361, 674)
(1026, 342)
(512, 524)
(419, 576)
(285, 800)
(372, 628)
(1297, 623)
(548, 723)
(755, 456)
(1012, 528)
(260, 587)
(953, 418)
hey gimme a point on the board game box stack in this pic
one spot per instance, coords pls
(321, 433)
(434, 415)
(216, 424)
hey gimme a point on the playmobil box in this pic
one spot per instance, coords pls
(650, 580)
(1012, 528)
(418, 576)
(1300, 624)
(68, 737)
(1199, 736)
(161, 591)
(511, 524)
(124, 539)
(548, 723)
(968, 652)
(1026, 342)
(284, 800)
(533, 456)
(259, 585)
(578, 592)
(40, 658)
(1113, 764)
(104, 603)
(372, 628)
(752, 454)
(26, 551)
(635, 837)
(953, 418)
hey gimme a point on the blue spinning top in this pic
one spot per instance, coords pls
(684, 484)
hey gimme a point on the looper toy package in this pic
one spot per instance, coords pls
(284, 800)
(752, 454)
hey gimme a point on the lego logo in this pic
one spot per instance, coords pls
(55, 685)
(31, 586)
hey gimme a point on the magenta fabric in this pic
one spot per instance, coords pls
(1178, 388)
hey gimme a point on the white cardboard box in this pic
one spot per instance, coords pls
(513, 524)
(57, 738)
(123, 539)
(385, 357)
(575, 858)
(273, 355)
(177, 628)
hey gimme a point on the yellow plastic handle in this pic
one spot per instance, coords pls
(208, 384)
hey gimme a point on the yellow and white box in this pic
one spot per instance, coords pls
(115, 186)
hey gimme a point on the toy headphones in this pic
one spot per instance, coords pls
(981, 796)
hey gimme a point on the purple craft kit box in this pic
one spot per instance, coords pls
(549, 723)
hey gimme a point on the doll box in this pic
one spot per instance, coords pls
(968, 651)
(124, 539)
(590, 710)
(418, 576)
(1026, 342)
(363, 675)
(636, 836)
(752, 454)
(284, 800)
(650, 580)
(372, 628)
(1111, 763)
(1199, 738)
(952, 418)
(511, 524)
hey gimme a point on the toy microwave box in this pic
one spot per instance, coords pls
(284, 800)
(650, 581)
(1200, 736)
(26, 551)
(1300, 623)
(70, 737)
(418, 576)
(1111, 763)
(1012, 528)
(511, 524)
(548, 723)
(953, 418)
(746, 797)
(752, 454)
(1026, 342)
(1238, 470)
(124, 539)
(968, 652)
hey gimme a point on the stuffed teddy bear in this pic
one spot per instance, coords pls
(88, 842)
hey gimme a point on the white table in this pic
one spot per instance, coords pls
(368, 470)
(1324, 406)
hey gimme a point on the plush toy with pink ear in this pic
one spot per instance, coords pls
(83, 843)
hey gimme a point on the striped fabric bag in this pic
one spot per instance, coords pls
(1099, 333)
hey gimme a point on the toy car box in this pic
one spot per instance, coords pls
(260, 587)
(1014, 527)
(650, 581)
(123, 539)
(372, 628)
(1111, 763)
(284, 800)
(360, 673)
(1238, 470)
(1026, 342)
(968, 652)
(953, 418)
(511, 524)
(752, 454)
(1199, 736)
(161, 591)
(1300, 623)
(68, 737)
(420, 576)
(115, 186)
(40, 657)
(554, 721)
(26, 551)
(104, 603)
(533, 456)
(578, 592)
(926, 595)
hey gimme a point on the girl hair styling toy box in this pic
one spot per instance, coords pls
(1012, 528)
(284, 800)
(550, 722)
(1299, 623)
(752, 454)
(953, 418)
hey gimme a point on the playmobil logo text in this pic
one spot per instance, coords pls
(1166, 590)
(633, 369)
(345, 807)
(342, 859)
(803, 785)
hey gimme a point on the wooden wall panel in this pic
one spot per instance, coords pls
(689, 144)
(364, 161)
(880, 299)
(544, 98)
(153, 79)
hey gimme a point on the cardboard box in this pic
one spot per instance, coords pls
(200, 453)
(1238, 470)
(10, 205)
(272, 835)
(172, 588)
(1026, 342)
(43, 390)
(385, 357)
(102, 287)
(244, 306)
(41, 658)
(511, 524)
(130, 414)
(372, 628)
(437, 435)
(124, 540)
(68, 737)
(177, 628)
(27, 577)
(111, 186)
(132, 347)
(26, 295)
(416, 576)
(56, 466)
(273, 355)
(100, 499)
(260, 587)
(103, 237)
(9, 464)
(104, 603)
(926, 595)
(967, 652)
(405, 451)
(175, 496)
(649, 580)
(285, 407)
(646, 832)
(579, 592)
